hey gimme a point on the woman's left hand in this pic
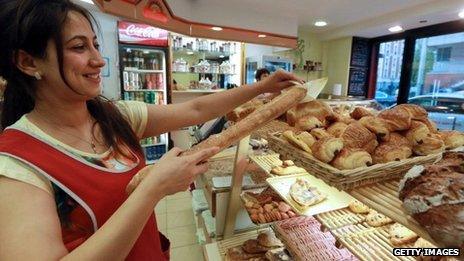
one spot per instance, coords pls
(277, 81)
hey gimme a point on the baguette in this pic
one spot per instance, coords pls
(253, 121)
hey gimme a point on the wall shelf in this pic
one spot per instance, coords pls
(131, 69)
(203, 73)
(145, 90)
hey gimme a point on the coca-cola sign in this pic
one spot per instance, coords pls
(142, 34)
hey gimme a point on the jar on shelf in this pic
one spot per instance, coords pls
(214, 67)
(225, 67)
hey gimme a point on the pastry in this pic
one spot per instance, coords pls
(337, 129)
(400, 235)
(325, 149)
(376, 219)
(396, 119)
(307, 138)
(318, 109)
(416, 111)
(430, 124)
(268, 239)
(252, 246)
(358, 207)
(288, 163)
(433, 195)
(238, 254)
(360, 112)
(255, 120)
(452, 139)
(305, 195)
(422, 243)
(320, 133)
(431, 144)
(352, 158)
(278, 254)
(293, 139)
(417, 133)
(397, 148)
(377, 126)
(282, 171)
(358, 136)
(339, 117)
(308, 123)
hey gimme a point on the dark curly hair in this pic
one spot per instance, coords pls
(260, 72)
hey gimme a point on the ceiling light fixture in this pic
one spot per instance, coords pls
(461, 14)
(216, 28)
(261, 35)
(320, 23)
(395, 29)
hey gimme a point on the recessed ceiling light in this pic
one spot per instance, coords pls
(320, 23)
(216, 28)
(261, 35)
(395, 29)
(189, 53)
(461, 14)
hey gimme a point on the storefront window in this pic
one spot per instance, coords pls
(389, 63)
(437, 78)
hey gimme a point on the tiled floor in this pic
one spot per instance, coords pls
(175, 220)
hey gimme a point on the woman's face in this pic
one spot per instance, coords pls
(82, 61)
(263, 76)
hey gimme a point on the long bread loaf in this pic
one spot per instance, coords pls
(255, 120)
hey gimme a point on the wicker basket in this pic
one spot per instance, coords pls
(271, 127)
(346, 179)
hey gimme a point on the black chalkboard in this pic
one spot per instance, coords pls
(359, 67)
(357, 82)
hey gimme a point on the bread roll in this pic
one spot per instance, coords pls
(396, 119)
(325, 149)
(318, 109)
(432, 194)
(360, 112)
(337, 129)
(417, 133)
(452, 139)
(397, 148)
(431, 144)
(307, 138)
(351, 159)
(356, 136)
(255, 120)
(308, 123)
(376, 125)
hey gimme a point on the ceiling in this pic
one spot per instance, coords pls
(367, 18)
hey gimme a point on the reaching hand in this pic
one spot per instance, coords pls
(278, 81)
(173, 173)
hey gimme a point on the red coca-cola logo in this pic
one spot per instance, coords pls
(147, 32)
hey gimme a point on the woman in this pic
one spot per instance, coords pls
(67, 154)
(262, 74)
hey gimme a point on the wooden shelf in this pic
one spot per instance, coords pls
(131, 69)
(203, 73)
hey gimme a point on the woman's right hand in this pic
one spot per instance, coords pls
(173, 173)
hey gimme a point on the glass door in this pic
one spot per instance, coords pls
(389, 62)
(437, 79)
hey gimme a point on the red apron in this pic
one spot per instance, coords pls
(98, 191)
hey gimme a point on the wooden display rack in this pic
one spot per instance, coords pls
(383, 197)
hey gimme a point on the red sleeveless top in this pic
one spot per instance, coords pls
(98, 191)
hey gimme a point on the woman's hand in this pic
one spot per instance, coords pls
(173, 173)
(277, 81)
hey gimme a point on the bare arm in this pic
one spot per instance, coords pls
(164, 118)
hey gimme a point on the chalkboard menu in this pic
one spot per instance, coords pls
(359, 67)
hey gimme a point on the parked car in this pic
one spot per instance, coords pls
(384, 99)
(446, 109)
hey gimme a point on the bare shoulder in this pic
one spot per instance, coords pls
(28, 217)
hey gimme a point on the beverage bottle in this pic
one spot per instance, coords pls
(130, 60)
(142, 61)
(124, 60)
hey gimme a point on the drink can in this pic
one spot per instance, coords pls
(159, 81)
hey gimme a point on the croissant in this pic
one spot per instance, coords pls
(293, 139)
(396, 119)
(320, 133)
(307, 138)
(360, 112)
(352, 158)
(315, 108)
(341, 117)
(337, 129)
(397, 148)
(431, 125)
(308, 123)
(377, 126)
(452, 139)
(357, 136)
(431, 144)
(325, 149)
(416, 111)
(417, 133)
